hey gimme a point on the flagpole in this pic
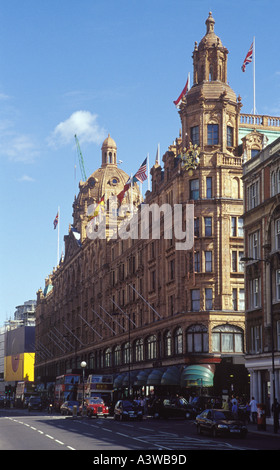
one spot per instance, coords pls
(148, 171)
(254, 83)
(58, 211)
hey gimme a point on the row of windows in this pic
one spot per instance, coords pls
(224, 339)
(254, 240)
(256, 338)
(255, 290)
(212, 135)
(238, 299)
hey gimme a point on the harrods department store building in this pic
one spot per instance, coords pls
(171, 317)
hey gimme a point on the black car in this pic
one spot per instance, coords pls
(127, 409)
(35, 403)
(172, 408)
(220, 422)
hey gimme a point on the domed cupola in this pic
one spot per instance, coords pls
(109, 152)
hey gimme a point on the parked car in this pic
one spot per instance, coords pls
(96, 407)
(205, 402)
(67, 407)
(127, 409)
(34, 403)
(220, 422)
(172, 408)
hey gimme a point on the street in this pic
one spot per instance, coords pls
(20, 430)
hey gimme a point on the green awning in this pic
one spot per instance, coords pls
(197, 375)
(129, 377)
(171, 376)
(155, 376)
(118, 380)
(141, 377)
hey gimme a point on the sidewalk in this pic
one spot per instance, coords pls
(269, 429)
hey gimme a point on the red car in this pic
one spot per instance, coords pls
(96, 407)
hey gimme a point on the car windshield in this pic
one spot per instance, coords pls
(95, 401)
(129, 405)
(227, 415)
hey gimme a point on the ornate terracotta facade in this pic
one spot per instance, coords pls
(141, 304)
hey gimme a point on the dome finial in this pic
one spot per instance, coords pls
(210, 23)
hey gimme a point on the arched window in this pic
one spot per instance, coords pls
(167, 344)
(227, 339)
(139, 350)
(178, 341)
(108, 357)
(151, 344)
(127, 353)
(117, 356)
(197, 339)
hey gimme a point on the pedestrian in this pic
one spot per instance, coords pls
(234, 409)
(276, 411)
(248, 412)
(225, 405)
(254, 410)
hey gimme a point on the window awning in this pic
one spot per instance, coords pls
(171, 376)
(155, 376)
(197, 376)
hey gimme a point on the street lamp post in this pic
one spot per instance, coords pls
(83, 366)
(269, 261)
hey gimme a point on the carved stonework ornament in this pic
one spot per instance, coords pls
(190, 158)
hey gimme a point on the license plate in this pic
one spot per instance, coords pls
(235, 430)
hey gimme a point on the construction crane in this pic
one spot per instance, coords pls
(81, 160)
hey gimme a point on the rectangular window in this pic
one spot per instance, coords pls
(208, 226)
(233, 227)
(254, 245)
(240, 263)
(208, 299)
(196, 227)
(229, 136)
(240, 227)
(278, 284)
(195, 135)
(234, 299)
(234, 261)
(194, 189)
(212, 134)
(197, 262)
(195, 293)
(241, 299)
(253, 195)
(208, 261)
(256, 339)
(208, 187)
(277, 234)
(255, 300)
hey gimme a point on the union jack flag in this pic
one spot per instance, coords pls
(248, 58)
(55, 222)
(141, 173)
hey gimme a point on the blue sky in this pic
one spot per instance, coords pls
(95, 67)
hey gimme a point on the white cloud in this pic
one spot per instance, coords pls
(26, 178)
(82, 123)
(17, 147)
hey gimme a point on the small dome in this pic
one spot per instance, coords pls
(109, 142)
(210, 39)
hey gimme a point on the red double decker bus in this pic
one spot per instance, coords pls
(66, 387)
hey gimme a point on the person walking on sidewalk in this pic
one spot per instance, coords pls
(254, 410)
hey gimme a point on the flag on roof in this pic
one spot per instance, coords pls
(55, 222)
(141, 175)
(183, 93)
(248, 58)
(127, 185)
(99, 207)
